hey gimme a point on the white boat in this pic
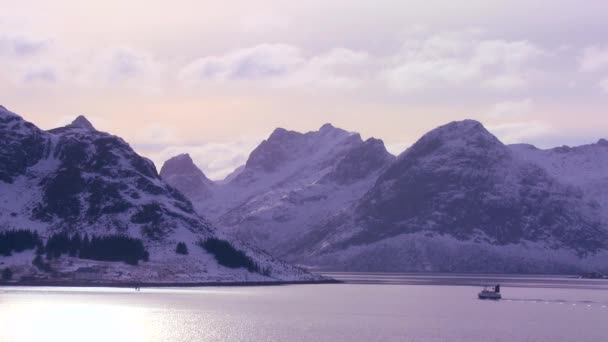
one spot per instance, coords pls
(490, 293)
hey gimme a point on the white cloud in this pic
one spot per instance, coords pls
(396, 148)
(510, 109)
(215, 159)
(41, 74)
(334, 69)
(39, 59)
(279, 65)
(258, 62)
(594, 58)
(21, 46)
(520, 132)
(460, 57)
(26, 58)
(158, 133)
(501, 53)
(118, 66)
(339, 57)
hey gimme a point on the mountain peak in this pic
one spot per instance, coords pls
(184, 157)
(281, 134)
(361, 162)
(82, 122)
(7, 112)
(467, 138)
(465, 130)
(602, 142)
(327, 127)
(465, 124)
(181, 172)
(331, 130)
(180, 165)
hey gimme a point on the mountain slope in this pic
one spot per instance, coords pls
(460, 200)
(78, 180)
(291, 182)
(183, 175)
(585, 167)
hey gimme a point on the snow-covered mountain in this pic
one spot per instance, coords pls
(81, 181)
(186, 177)
(585, 167)
(292, 182)
(460, 200)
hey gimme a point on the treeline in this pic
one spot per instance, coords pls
(227, 255)
(18, 241)
(103, 248)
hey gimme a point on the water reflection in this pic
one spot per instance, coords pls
(60, 321)
(115, 314)
(341, 312)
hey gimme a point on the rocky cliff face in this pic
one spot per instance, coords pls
(78, 180)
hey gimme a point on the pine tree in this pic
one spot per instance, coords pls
(7, 274)
(181, 248)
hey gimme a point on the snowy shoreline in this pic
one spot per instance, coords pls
(162, 284)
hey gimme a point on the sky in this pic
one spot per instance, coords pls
(214, 79)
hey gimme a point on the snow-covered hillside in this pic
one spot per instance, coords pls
(78, 180)
(457, 200)
(460, 200)
(585, 167)
(292, 182)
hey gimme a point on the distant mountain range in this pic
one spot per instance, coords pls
(458, 200)
(74, 183)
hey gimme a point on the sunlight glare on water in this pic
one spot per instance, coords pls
(337, 312)
(56, 321)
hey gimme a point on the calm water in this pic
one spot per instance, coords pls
(341, 312)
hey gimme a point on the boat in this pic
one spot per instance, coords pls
(490, 292)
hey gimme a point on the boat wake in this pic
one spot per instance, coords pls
(557, 301)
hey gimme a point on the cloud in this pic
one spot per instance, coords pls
(279, 65)
(258, 62)
(335, 68)
(460, 57)
(396, 148)
(594, 58)
(21, 46)
(44, 74)
(117, 66)
(28, 59)
(157, 132)
(510, 109)
(216, 159)
(520, 132)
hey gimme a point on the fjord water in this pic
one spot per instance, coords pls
(332, 312)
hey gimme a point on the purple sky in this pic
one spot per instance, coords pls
(213, 79)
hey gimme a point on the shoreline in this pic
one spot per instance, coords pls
(62, 283)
